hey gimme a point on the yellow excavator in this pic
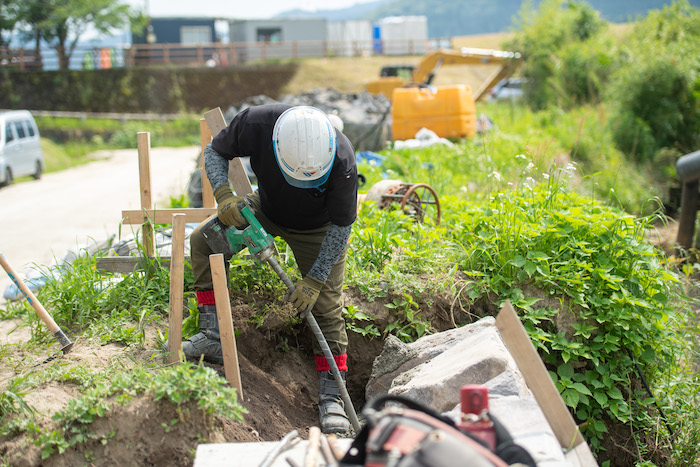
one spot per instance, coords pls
(396, 76)
(448, 111)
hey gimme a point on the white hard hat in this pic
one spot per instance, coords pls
(305, 143)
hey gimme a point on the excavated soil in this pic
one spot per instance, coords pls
(279, 383)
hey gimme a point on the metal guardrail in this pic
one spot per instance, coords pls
(213, 54)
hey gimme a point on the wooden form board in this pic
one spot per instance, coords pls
(541, 385)
(164, 216)
(236, 172)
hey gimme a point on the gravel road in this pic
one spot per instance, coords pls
(41, 220)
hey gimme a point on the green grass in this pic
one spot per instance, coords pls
(565, 243)
(83, 137)
(60, 157)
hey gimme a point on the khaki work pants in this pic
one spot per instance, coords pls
(305, 245)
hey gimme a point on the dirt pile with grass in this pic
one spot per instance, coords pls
(279, 383)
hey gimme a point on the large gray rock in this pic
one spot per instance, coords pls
(434, 368)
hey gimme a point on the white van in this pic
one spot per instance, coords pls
(20, 147)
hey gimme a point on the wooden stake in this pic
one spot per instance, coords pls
(208, 200)
(541, 385)
(223, 311)
(177, 285)
(143, 140)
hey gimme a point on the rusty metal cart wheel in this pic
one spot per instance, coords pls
(417, 200)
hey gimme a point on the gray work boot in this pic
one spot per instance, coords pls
(331, 412)
(207, 342)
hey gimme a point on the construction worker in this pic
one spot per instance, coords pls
(307, 195)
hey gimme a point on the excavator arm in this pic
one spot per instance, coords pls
(431, 63)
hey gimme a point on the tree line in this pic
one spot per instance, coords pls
(648, 80)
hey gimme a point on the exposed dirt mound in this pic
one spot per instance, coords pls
(135, 435)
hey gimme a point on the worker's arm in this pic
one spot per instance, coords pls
(332, 248)
(227, 204)
(216, 167)
(306, 291)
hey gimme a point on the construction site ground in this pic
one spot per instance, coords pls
(279, 392)
(65, 210)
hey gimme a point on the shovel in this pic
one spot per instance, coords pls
(66, 343)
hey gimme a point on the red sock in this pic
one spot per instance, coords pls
(205, 297)
(340, 360)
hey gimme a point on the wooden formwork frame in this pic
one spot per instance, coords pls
(212, 123)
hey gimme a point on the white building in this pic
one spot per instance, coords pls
(278, 38)
(350, 38)
(401, 35)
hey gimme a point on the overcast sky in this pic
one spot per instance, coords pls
(247, 9)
